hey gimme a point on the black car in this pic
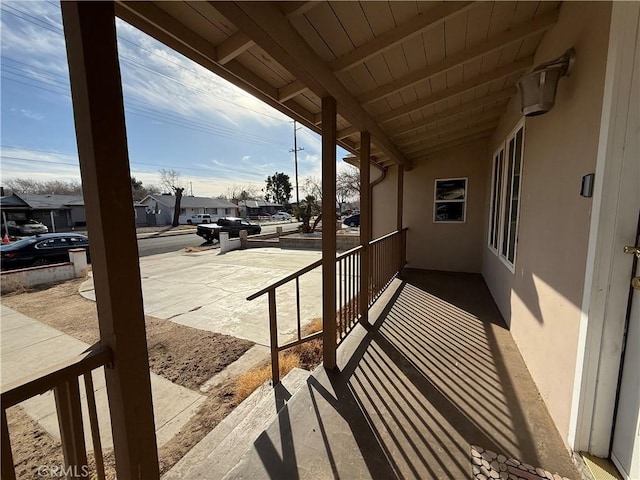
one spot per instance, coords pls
(232, 225)
(41, 250)
(352, 221)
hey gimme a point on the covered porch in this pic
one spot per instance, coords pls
(434, 373)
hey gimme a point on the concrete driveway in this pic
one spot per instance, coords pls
(208, 290)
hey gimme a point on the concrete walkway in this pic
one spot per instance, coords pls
(28, 346)
(208, 290)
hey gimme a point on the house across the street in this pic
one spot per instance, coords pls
(162, 207)
(254, 208)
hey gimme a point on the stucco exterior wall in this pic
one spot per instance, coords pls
(447, 246)
(384, 203)
(542, 299)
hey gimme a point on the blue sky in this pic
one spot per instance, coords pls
(179, 115)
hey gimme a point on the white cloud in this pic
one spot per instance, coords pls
(246, 158)
(29, 113)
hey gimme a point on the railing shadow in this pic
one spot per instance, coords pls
(433, 376)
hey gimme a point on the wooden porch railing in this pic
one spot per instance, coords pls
(63, 379)
(386, 259)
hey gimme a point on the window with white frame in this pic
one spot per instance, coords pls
(450, 200)
(505, 197)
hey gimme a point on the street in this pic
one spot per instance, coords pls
(171, 243)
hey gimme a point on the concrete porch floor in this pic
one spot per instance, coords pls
(436, 373)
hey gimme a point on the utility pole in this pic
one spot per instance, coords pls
(295, 156)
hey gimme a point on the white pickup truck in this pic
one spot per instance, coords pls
(198, 219)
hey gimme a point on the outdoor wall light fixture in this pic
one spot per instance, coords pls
(538, 88)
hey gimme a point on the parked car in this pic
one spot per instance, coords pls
(281, 216)
(40, 250)
(199, 219)
(263, 216)
(352, 221)
(25, 227)
(233, 225)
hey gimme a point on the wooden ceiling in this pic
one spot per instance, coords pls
(420, 76)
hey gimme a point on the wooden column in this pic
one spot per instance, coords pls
(329, 231)
(399, 213)
(365, 222)
(98, 108)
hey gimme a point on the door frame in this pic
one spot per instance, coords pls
(608, 270)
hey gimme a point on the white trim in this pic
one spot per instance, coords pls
(463, 201)
(595, 379)
(495, 159)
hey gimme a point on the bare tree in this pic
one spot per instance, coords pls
(242, 192)
(43, 187)
(347, 185)
(140, 191)
(172, 182)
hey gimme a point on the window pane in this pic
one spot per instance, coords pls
(495, 199)
(507, 197)
(450, 189)
(515, 198)
(450, 212)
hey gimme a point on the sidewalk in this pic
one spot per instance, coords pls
(28, 346)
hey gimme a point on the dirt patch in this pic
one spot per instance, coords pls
(184, 355)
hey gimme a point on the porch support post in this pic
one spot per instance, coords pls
(329, 231)
(365, 223)
(399, 213)
(98, 108)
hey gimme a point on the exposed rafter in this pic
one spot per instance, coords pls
(450, 112)
(267, 26)
(291, 90)
(469, 122)
(295, 9)
(528, 29)
(486, 130)
(387, 40)
(451, 144)
(471, 84)
(232, 47)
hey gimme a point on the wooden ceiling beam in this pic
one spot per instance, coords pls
(156, 23)
(232, 47)
(450, 112)
(415, 26)
(537, 25)
(291, 9)
(347, 132)
(291, 90)
(471, 84)
(268, 28)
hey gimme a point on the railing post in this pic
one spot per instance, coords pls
(365, 224)
(399, 214)
(273, 330)
(7, 471)
(69, 410)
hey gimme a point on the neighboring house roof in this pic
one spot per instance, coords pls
(257, 204)
(43, 202)
(191, 202)
(12, 202)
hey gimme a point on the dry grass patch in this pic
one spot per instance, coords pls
(248, 382)
(307, 355)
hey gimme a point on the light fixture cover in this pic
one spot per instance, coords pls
(538, 88)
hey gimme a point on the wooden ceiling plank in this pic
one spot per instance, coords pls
(490, 116)
(266, 25)
(463, 87)
(484, 129)
(448, 145)
(347, 132)
(232, 47)
(505, 94)
(497, 42)
(391, 38)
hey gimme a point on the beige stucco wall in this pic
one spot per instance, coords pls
(447, 246)
(384, 203)
(542, 299)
